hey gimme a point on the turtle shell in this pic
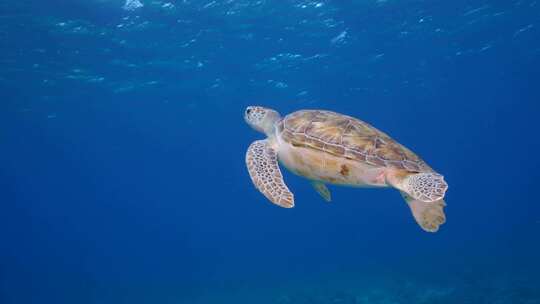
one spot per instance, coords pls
(348, 137)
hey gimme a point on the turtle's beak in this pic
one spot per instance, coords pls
(247, 113)
(253, 117)
(248, 117)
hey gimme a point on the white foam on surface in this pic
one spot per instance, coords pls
(132, 5)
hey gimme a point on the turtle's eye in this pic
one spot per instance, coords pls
(248, 111)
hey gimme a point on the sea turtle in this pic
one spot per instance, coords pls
(331, 148)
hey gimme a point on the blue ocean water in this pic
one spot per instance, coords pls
(122, 145)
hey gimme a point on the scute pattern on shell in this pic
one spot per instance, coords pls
(348, 137)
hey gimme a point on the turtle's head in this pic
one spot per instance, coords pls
(262, 119)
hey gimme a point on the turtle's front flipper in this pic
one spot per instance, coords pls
(262, 164)
(429, 215)
(322, 190)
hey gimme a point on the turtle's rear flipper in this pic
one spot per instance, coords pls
(322, 190)
(427, 187)
(429, 215)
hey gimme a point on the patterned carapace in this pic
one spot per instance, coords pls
(348, 137)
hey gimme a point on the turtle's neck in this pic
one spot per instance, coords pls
(270, 122)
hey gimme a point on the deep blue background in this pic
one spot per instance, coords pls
(122, 148)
